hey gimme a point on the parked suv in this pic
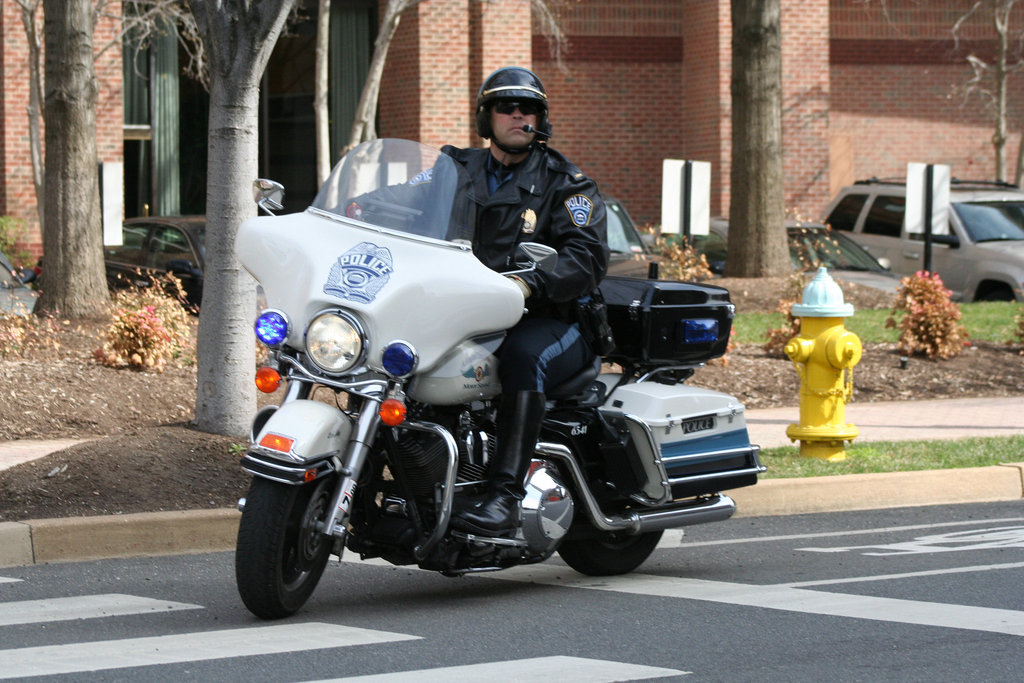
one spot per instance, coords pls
(982, 257)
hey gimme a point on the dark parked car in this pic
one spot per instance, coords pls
(810, 245)
(157, 245)
(15, 297)
(630, 255)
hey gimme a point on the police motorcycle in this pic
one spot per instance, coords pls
(383, 328)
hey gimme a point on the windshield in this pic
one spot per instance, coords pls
(622, 236)
(992, 221)
(814, 247)
(401, 186)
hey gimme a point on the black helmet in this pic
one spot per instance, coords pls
(511, 83)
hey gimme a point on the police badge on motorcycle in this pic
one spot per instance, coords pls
(360, 273)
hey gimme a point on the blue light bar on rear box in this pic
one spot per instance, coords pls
(699, 330)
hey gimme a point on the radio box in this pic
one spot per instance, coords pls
(659, 322)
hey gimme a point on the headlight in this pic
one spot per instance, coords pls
(334, 342)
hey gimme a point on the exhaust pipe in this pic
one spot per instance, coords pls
(714, 509)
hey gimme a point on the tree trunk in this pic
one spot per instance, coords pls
(1019, 173)
(35, 103)
(239, 36)
(323, 129)
(73, 281)
(757, 234)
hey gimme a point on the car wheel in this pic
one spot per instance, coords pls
(997, 292)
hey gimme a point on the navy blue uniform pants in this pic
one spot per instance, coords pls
(540, 353)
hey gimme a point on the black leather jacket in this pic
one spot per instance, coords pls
(550, 201)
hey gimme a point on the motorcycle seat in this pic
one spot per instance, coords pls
(577, 383)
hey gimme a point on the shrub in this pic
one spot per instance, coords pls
(930, 322)
(13, 230)
(791, 295)
(1019, 319)
(149, 328)
(681, 260)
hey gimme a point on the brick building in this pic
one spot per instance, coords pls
(867, 87)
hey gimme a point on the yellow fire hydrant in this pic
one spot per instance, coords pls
(823, 354)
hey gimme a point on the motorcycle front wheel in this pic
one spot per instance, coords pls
(280, 553)
(610, 553)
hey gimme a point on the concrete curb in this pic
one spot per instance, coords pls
(837, 493)
(92, 538)
(197, 531)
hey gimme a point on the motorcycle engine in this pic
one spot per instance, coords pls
(547, 508)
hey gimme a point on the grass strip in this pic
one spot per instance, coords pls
(984, 321)
(896, 456)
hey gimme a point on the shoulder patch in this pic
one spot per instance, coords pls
(579, 207)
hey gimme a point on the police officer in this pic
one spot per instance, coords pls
(525, 191)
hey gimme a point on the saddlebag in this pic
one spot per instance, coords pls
(684, 441)
(663, 322)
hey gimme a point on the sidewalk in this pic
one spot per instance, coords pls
(85, 538)
(903, 420)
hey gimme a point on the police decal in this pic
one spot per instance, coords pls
(360, 273)
(579, 208)
(423, 177)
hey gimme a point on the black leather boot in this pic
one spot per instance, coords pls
(496, 513)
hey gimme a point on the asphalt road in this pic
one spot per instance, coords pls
(912, 594)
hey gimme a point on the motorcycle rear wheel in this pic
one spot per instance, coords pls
(280, 554)
(610, 553)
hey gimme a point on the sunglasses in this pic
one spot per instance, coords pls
(526, 107)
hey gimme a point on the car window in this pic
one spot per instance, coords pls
(622, 238)
(844, 216)
(713, 247)
(168, 244)
(992, 221)
(885, 217)
(133, 237)
(812, 248)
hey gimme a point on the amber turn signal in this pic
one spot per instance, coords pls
(276, 442)
(268, 379)
(392, 412)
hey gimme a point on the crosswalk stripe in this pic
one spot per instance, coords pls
(562, 669)
(784, 598)
(83, 607)
(185, 647)
(7, 579)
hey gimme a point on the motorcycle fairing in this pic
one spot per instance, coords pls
(435, 295)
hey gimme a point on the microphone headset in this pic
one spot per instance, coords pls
(539, 133)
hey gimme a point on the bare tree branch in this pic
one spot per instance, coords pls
(35, 102)
(990, 79)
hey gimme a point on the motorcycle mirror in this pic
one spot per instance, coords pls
(541, 256)
(268, 195)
